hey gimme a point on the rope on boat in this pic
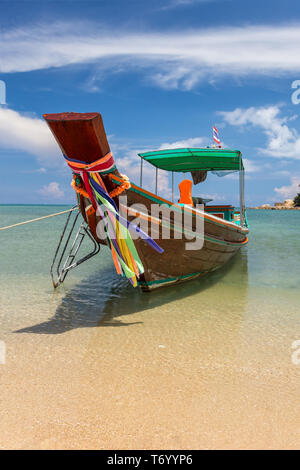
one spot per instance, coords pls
(39, 218)
(116, 192)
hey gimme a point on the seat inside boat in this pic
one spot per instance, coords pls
(226, 212)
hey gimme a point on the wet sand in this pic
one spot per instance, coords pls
(154, 379)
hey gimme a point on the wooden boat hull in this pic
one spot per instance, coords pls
(176, 264)
(83, 139)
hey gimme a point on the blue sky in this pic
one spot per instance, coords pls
(161, 73)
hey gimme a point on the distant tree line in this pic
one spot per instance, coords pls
(297, 200)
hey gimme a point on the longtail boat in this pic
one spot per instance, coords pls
(149, 243)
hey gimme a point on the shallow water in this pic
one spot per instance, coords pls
(98, 364)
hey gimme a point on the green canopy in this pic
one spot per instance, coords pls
(186, 159)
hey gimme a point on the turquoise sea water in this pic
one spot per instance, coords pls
(273, 252)
(270, 263)
(235, 328)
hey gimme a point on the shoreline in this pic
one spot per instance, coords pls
(272, 208)
(288, 204)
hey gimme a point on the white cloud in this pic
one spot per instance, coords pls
(180, 3)
(280, 173)
(31, 135)
(173, 59)
(193, 142)
(52, 191)
(215, 197)
(28, 134)
(38, 170)
(130, 164)
(282, 141)
(251, 166)
(289, 192)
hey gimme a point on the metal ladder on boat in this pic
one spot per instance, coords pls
(65, 255)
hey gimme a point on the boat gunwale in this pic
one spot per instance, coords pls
(211, 218)
(207, 237)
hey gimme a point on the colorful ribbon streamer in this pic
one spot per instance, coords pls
(124, 253)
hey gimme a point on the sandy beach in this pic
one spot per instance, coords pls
(131, 383)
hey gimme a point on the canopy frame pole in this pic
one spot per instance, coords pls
(156, 178)
(244, 208)
(242, 193)
(173, 186)
(141, 173)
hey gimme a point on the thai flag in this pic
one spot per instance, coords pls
(216, 136)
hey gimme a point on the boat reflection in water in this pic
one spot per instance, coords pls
(107, 300)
